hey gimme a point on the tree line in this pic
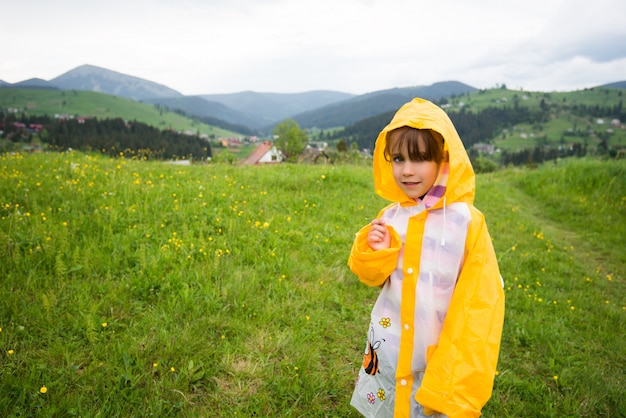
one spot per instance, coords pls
(110, 136)
(539, 155)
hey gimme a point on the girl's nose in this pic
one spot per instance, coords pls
(407, 170)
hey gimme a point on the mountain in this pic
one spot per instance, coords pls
(249, 109)
(269, 108)
(32, 83)
(92, 78)
(253, 110)
(195, 106)
(616, 85)
(371, 104)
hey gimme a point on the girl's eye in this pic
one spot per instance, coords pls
(397, 159)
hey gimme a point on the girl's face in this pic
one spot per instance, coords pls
(415, 178)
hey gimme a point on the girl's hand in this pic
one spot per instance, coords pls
(378, 237)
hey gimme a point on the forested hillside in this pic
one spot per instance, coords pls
(506, 126)
(115, 137)
(473, 127)
(525, 127)
(99, 105)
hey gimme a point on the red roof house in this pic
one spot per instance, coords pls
(264, 153)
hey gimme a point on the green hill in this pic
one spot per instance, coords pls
(99, 105)
(501, 97)
(509, 120)
(514, 120)
(558, 118)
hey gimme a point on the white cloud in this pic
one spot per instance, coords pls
(216, 46)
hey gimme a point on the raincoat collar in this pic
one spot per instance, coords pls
(456, 179)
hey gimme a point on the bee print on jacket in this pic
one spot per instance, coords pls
(370, 358)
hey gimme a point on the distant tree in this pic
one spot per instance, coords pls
(484, 165)
(291, 140)
(342, 146)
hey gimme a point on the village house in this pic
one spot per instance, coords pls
(264, 153)
(313, 155)
(230, 142)
(322, 146)
(484, 148)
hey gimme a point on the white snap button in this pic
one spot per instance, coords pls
(409, 270)
(406, 327)
(403, 382)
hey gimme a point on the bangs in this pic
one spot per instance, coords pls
(408, 139)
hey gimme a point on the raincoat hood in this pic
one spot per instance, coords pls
(459, 182)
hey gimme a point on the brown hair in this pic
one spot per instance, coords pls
(408, 137)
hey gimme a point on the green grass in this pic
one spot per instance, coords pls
(100, 105)
(560, 232)
(145, 289)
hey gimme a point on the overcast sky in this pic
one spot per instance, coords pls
(289, 46)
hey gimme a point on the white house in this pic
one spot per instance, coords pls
(264, 153)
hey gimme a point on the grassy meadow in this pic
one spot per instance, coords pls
(136, 288)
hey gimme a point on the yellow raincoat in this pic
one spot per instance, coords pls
(435, 330)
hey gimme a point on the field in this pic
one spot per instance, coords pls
(138, 289)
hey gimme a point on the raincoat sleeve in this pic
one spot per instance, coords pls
(374, 267)
(460, 370)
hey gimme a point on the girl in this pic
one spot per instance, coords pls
(434, 335)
